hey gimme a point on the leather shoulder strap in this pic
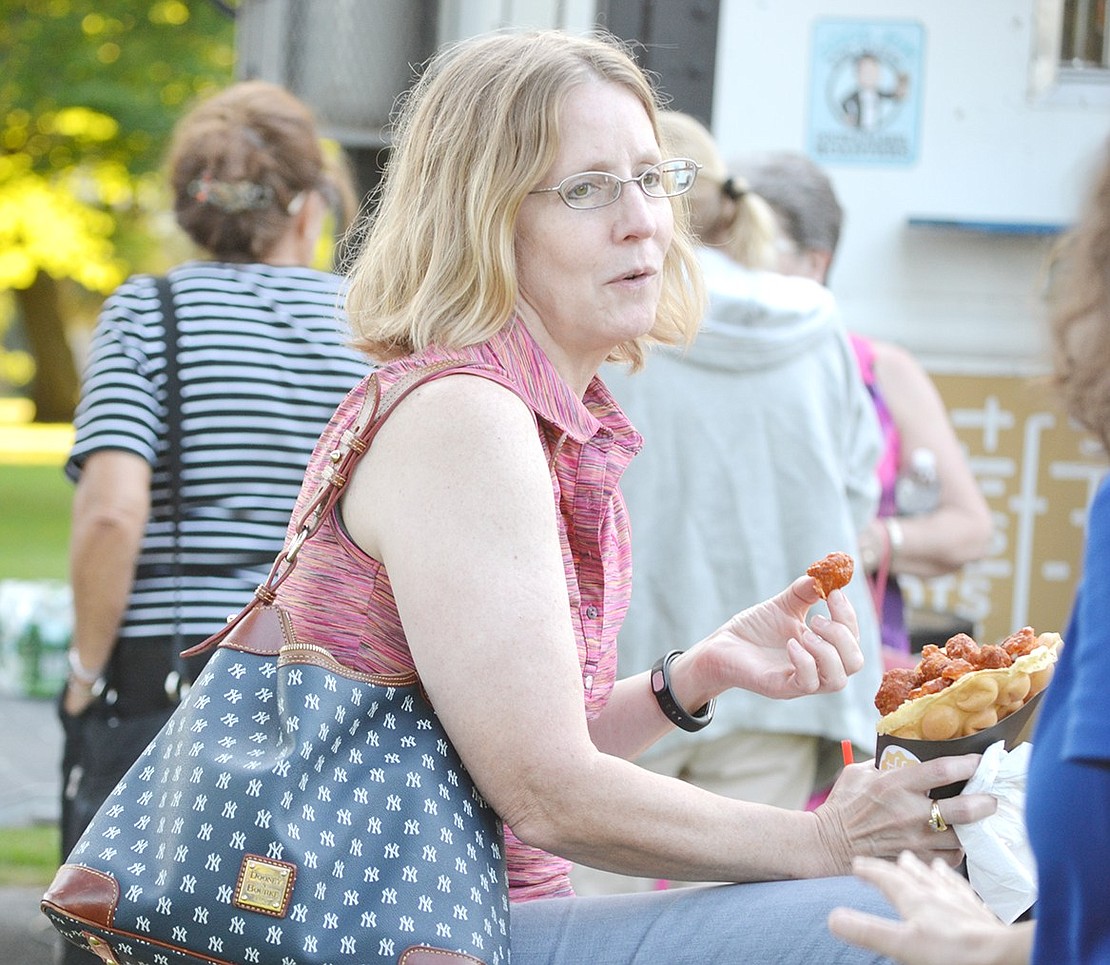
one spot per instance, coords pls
(173, 450)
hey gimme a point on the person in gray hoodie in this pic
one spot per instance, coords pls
(760, 451)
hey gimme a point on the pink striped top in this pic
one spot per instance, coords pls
(340, 598)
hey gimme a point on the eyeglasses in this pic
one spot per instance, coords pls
(596, 189)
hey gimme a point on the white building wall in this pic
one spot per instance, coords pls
(989, 150)
(998, 143)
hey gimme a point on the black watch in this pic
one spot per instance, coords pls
(676, 713)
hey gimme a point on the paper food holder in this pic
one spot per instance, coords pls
(892, 752)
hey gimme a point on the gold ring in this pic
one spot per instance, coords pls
(936, 822)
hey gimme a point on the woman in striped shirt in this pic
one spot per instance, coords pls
(262, 360)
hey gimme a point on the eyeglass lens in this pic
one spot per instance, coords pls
(594, 189)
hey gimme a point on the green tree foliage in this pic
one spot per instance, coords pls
(89, 91)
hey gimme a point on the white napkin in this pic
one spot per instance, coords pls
(1000, 863)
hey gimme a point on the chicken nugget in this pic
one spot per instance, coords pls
(831, 573)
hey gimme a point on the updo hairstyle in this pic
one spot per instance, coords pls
(239, 165)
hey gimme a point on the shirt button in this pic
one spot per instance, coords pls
(589, 681)
(591, 611)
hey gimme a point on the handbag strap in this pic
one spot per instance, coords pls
(353, 443)
(172, 440)
(173, 455)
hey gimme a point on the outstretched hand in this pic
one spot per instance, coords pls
(943, 920)
(770, 650)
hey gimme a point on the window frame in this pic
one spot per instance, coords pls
(1051, 81)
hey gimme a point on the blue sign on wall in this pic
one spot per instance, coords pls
(865, 91)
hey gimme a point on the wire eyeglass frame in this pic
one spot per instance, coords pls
(588, 190)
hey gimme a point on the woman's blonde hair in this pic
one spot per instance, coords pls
(236, 162)
(474, 135)
(725, 212)
(1079, 318)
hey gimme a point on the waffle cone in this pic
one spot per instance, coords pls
(977, 700)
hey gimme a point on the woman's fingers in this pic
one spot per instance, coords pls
(807, 677)
(882, 935)
(842, 631)
(842, 611)
(835, 651)
(882, 813)
(941, 771)
(802, 594)
(966, 808)
(831, 672)
(942, 916)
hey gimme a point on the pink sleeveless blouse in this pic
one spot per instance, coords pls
(340, 598)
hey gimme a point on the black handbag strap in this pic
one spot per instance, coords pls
(137, 670)
(173, 470)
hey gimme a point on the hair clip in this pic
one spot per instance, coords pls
(230, 196)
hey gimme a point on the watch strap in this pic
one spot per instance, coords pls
(674, 711)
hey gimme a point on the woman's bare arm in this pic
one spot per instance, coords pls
(959, 530)
(110, 510)
(455, 498)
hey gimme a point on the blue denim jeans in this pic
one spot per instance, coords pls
(768, 923)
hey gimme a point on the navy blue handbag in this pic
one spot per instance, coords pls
(291, 812)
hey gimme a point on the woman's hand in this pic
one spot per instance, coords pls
(78, 697)
(769, 650)
(943, 920)
(882, 813)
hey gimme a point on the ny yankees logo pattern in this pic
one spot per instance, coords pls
(294, 812)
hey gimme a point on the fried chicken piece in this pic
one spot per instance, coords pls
(934, 686)
(962, 647)
(931, 665)
(894, 689)
(991, 657)
(1020, 643)
(955, 669)
(831, 573)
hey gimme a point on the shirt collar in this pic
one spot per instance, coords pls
(597, 413)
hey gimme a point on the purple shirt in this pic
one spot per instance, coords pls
(892, 616)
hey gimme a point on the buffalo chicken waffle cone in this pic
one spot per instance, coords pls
(961, 688)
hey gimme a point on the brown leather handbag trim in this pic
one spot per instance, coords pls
(100, 948)
(83, 893)
(268, 631)
(426, 955)
(262, 631)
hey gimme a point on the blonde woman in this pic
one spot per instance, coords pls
(527, 231)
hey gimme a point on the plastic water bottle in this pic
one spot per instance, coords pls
(917, 490)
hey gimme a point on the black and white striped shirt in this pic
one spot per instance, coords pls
(262, 362)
